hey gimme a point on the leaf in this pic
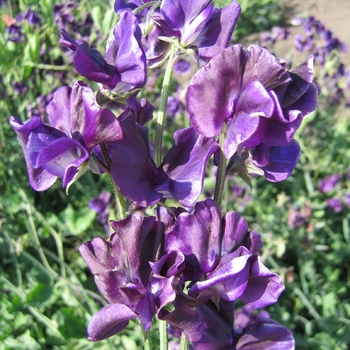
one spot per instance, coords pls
(77, 221)
(42, 295)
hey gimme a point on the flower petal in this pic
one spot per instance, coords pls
(218, 84)
(109, 321)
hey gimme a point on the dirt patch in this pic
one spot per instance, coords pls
(334, 14)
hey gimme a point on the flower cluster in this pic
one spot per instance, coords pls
(187, 265)
(199, 262)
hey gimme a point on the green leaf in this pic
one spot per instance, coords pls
(77, 221)
(42, 295)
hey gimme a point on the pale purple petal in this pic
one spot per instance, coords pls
(39, 178)
(230, 277)
(75, 112)
(61, 158)
(235, 229)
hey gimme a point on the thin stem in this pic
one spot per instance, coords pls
(45, 66)
(148, 4)
(184, 342)
(162, 106)
(147, 343)
(120, 201)
(221, 173)
(163, 335)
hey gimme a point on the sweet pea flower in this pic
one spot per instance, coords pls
(196, 23)
(210, 326)
(123, 68)
(328, 183)
(221, 257)
(124, 276)
(254, 102)
(77, 125)
(180, 176)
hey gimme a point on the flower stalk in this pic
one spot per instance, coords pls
(162, 106)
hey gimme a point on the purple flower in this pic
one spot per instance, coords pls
(328, 183)
(123, 69)
(221, 257)
(196, 23)
(124, 276)
(254, 101)
(180, 175)
(77, 124)
(335, 204)
(210, 326)
(265, 334)
(277, 163)
(14, 33)
(347, 199)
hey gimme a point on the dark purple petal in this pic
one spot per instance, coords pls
(218, 83)
(160, 294)
(263, 66)
(282, 125)
(277, 163)
(185, 319)
(75, 112)
(216, 332)
(302, 79)
(98, 255)
(89, 62)
(141, 239)
(197, 236)
(126, 54)
(218, 31)
(169, 265)
(132, 168)
(307, 103)
(264, 287)
(156, 50)
(183, 169)
(40, 179)
(265, 334)
(109, 321)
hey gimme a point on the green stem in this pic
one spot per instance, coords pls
(221, 173)
(45, 66)
(118, 196)
(162, 107)
(147, 340)
(148, 4)
(163, 335)
(184, 342)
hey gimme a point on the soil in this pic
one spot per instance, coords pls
(334, 14)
